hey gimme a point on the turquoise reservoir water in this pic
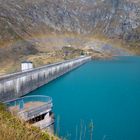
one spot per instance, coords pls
(106, 92)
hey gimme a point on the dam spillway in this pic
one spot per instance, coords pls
(16, 85)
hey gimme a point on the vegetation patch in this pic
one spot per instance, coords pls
(12, 128)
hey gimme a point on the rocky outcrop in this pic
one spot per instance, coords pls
(113, 18)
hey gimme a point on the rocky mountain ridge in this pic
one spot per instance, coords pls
(113, 18)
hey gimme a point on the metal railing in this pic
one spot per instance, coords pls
(29, 103)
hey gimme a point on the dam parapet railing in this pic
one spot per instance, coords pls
(29, 107)
(18, 84)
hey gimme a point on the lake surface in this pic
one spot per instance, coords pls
(106, 92)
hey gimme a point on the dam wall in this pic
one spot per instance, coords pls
(15, 85)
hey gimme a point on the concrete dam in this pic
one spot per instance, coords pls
(16, 85)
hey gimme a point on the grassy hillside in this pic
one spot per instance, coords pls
(11, 128)
(50, 49)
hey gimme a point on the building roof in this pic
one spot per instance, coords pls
(26, 62)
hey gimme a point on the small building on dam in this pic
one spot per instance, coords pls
(26, 65)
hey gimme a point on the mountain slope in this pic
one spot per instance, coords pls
(30, 27)
(110, 17)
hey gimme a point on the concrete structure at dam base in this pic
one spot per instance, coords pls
(35, 109)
